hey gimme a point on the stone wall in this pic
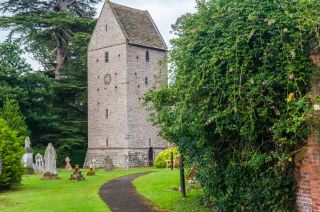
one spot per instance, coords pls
(142, 76)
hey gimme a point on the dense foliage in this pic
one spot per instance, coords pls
(56, 33)
(46, 27)
(54, 113)
(163, 156)
(70, 103)
(32, 90)
(11, 113)
(238, 102)
(12, 132)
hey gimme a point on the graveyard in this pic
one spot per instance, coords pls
(65, 195)
(147, 106)
(43, 186)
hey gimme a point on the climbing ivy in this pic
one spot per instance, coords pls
(239, 98)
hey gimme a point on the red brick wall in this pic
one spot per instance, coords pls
(308, 179)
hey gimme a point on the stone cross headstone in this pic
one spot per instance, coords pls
(68, 165)
(39, 166)
(27, 143)
(0, 165)
(93, 164)
(27, 159)
(50, 160)
(108, 164)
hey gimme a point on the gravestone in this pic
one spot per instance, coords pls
(68, 165)
(127, 161)
(39, 166)
(50, 163)
(93, 164)
(27, 158)
(108, 164)
(77, 175)
(91, 172)
(0, 165)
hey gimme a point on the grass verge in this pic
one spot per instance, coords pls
(60, 195)
(156, 187)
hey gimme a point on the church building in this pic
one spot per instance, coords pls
(124, 62)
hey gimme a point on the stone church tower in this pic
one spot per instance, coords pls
(123, 64)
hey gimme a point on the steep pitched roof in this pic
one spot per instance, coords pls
(138, 26)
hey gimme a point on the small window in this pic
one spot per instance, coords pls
(106, 28)
(107, 113)
(149, 141)
(106, 57)
(147, 56)
(146, 80)
(107, 142)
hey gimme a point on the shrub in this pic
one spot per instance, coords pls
(11, 151)
(239, 98)
(160, 161)
(12, 115)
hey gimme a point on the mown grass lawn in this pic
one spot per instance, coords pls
(156, 187)
(61, 195)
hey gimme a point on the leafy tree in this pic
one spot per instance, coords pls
(71, 101)
(32, 90)
(238, 103)
(47, 26)
(11, 151)
(12, 115)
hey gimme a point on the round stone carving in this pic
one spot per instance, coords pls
(107, 79)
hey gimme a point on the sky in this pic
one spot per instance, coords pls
(163, 12)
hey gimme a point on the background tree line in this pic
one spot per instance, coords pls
(53, 100)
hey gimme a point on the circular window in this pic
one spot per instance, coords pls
(107, 79)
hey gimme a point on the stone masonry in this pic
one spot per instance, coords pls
(123, 64)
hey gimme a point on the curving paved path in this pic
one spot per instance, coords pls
(121, 196)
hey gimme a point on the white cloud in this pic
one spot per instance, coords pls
(164, 13)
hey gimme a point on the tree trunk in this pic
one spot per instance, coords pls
(61, 55)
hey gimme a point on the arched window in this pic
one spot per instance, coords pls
(147, 56)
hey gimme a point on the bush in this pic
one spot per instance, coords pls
(160, 161)
(11, 151)
(12, 115)
(238, 103)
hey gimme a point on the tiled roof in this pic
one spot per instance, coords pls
(138, 27)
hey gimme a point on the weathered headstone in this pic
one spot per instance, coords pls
(77, 175)
(93, 164)
(0, 165)
(68, 165)
(39, 166)
(50, 163)
(91, 172)
(127, 161)
(108, 164)
(27, 159)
